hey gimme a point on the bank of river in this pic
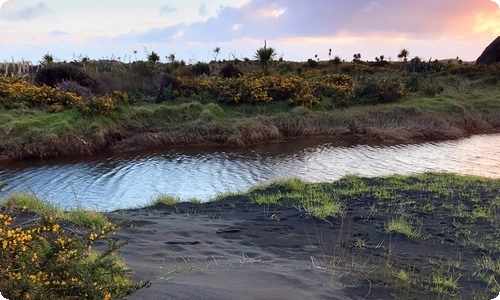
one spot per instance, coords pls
(127, 180)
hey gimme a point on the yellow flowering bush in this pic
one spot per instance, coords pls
(44, 261)
(100, 105)
(16, 92)
(258, 88)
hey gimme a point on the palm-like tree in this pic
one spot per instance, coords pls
(264, 55)
(404, 54)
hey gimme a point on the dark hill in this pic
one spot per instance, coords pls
(491, 54)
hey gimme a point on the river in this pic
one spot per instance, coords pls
(108, 182)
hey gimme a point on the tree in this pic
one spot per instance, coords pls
(264, 55)
(171, 58)
(216, 52)
(47, 60)
(356, 57)
(153, 57)
(403, 54)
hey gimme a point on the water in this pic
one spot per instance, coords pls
(124, 181)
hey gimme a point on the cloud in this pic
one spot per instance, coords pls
(166, 9)
(203, 10)
(25, 14)
(272, 19)
(5, 3)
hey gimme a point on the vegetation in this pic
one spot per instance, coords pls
(88, 106)
(48, 257)
(450, 222)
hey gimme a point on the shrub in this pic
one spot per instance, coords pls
(44, 261)
(380, 90)
(18, 93)
(419, 66)
(53, 75)
(201, 68)
(70, 86)
(168, 84)
(97, 105)
(230, 71)
(338, 88)
(311, 63)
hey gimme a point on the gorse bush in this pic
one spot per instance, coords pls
(255, 88)
(18, 93)
(44, 261)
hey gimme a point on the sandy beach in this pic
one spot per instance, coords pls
(235, 249)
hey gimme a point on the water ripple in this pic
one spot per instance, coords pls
(132, 179)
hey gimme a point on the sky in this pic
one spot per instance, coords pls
(296, 29)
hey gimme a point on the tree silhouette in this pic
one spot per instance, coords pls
(153, 57)
(216, 52)
(264, 55)
(403, 54)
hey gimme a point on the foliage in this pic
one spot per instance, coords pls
(44, 261)
(97, 105)
(264, 55)
(18, 93)
(168, 83)
(230, 71)
(417, 65)
(379, 90)
(311, 63)
(403, 54)
(70, 86)
(201, 68)
(55, 74)
(154, 57)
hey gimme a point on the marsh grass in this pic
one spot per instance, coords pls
(468, 102)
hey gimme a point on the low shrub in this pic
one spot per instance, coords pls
(230, 71)
(201, 68)
(53, 75)
(97, 105)
(379, 90)
(43, 260)
(16, 92)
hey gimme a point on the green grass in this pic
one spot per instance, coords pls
(403, 226)
(79, 216)
(469, 98)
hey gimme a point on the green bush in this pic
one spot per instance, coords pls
(379, 90)
(201, 68)
(44, 261)
(54, 75)
(230, 71)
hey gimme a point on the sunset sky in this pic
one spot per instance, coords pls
(297, 29)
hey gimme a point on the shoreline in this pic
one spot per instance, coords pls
(235, 246)
(394, 237)
(378, 129)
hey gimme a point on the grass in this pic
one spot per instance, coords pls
(403, 226)
(408, 204)
(78, 216)
(468, 101)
